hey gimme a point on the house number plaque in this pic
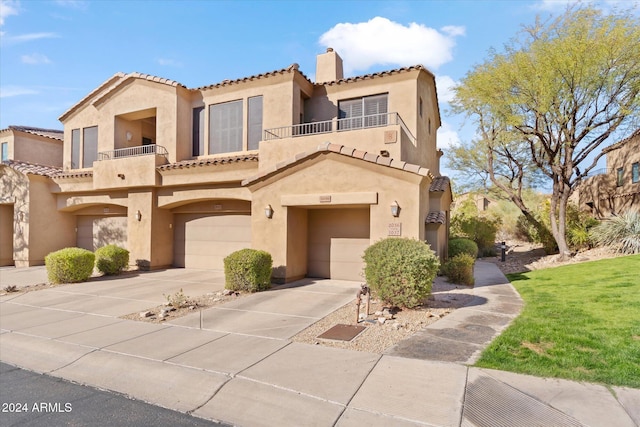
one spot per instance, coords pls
(395, 229)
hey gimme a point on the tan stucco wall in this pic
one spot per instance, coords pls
(336, 170)
(32, 148)
(602, 190)
(6, 234)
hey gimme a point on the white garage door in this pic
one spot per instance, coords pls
(97, 231)
(204, 240)
(337, 240)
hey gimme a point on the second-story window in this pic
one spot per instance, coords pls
(635, 172)
(198, 132)
(225, 127)
(254, 120)
(89, 146)
(5, 151)
(619, 177)
(75, 149)
(368, 111)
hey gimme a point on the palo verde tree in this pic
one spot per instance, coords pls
(550, 100)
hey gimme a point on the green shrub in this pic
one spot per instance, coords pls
(248, 270)
(459, 269)
(400, 271)
(69, 265)
(621, 232)
(480, 227)
(460, 245)
(112, 259)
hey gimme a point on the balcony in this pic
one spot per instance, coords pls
(129, 167)
(338, 125)
(142, 150)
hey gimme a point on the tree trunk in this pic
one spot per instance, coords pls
(558, 219)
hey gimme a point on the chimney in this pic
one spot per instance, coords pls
(328, 67)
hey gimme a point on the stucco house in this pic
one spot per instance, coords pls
(616, 188)
(312, 172)
(27, 201)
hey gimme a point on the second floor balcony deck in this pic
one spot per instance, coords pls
(338, 125)
(141, 150)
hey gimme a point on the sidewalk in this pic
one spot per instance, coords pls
(235, 363)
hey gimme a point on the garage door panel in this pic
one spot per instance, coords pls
(97, 231)
(337, 240)
(204, 240)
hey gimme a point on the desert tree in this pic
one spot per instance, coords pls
(550, 100)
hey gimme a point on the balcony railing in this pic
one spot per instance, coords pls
(142, 150)
(337, 125)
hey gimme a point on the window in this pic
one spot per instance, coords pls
(620, 177)
(89, 146)
(635, 172)
(420, 107)
(225, 127)
(75, 148)
(368, 111)
(5, 151)
(198, 132)
(254, 122)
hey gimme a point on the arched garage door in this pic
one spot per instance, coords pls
(96, 231)
(203, 240)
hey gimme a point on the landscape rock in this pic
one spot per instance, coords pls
(144, 314)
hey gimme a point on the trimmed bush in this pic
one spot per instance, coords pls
(69, 265)
(248, 270)
(460, 245)
(459, 269)
(112, 259)
(400, 271)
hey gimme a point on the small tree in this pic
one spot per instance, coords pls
(248, 270)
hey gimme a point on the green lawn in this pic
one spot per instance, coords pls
(580, 322)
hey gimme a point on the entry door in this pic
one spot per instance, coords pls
(337, 240)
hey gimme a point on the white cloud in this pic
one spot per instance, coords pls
(445, 86)
(7, 8)
(28, 37)
(384, 42)
(35, 59)
(447, 136)
(9, 91)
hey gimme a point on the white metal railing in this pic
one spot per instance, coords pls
(337, 125)
(141, 150)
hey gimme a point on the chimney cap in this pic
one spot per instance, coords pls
(329, 49)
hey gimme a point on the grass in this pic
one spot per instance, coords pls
(580, 322)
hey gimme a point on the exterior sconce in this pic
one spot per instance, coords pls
(395, 209)
(268, 212)
(138, 216)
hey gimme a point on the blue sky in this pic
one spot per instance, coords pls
(53, 53)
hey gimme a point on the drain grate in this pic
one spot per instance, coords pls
(491, 403)
(342, 332)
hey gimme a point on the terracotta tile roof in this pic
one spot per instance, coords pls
(47, 133)
(378, 74)
(32, 168)
(114, 82)
(619, 144)
(291, 68)
(440, 183)
(328, 147)
(214, 161)
(438, 217)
